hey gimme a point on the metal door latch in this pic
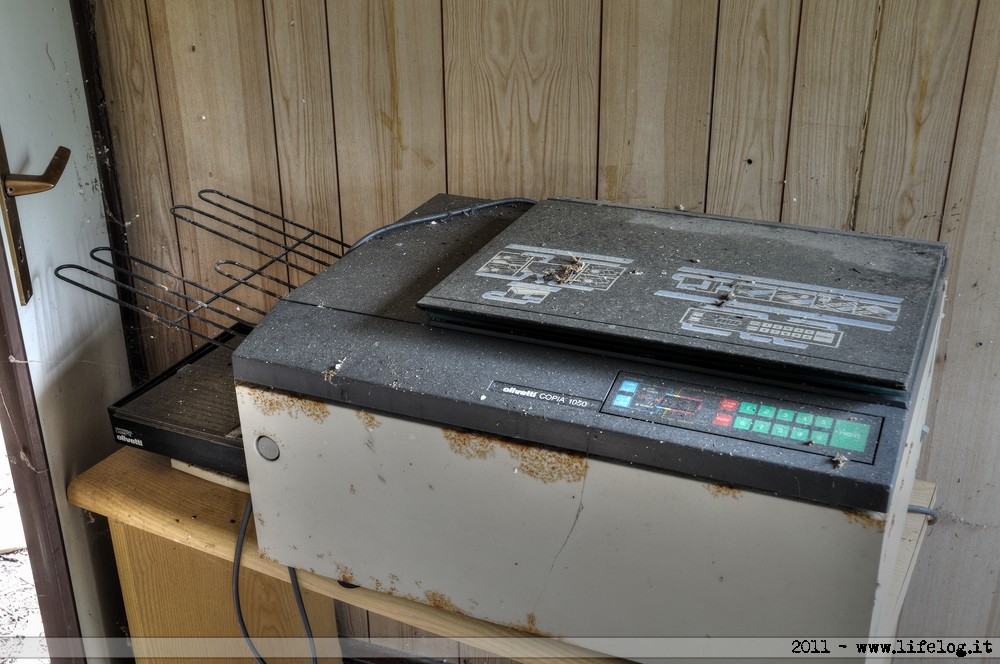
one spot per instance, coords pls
(18, 184)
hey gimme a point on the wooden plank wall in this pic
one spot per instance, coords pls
(869, 115)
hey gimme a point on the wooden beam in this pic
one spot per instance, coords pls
(389, 108)
(298, 54)
(753, 87)
(657, 61)
(133, 110)
(835, 62)
(522, 97)
(919, 74)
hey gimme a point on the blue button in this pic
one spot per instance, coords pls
(629, 386)
(622, 401)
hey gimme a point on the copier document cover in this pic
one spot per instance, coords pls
(813, 305)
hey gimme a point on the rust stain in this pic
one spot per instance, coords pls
(866, 519)
(271, 402)
(392, 119)
(345, 573)
(538, 463)
(425, 159)
(470, 445)
(441, 601)
(612, 182)
(548, 465)
(530, 626)
(371, 422)
(719, 490)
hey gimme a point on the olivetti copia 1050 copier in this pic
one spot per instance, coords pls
(588, 419)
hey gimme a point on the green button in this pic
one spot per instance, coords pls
(761, 426)
(823, 422)
(748, 408)
(742, 423)
(780, 430)
(820, 437)
(786, 415)
(850, 435)
(800, 434)
(804, 418)
(766, 411)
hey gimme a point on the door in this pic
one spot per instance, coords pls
(66, 352)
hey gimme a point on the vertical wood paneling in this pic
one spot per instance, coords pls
(389, 108)
(753, 89)
(954, 588)
(303, 117)
(832, 78)
(140, 158)
(656, 97)
(211, 64)
(917, 91)
(352, 621)
(522, 97)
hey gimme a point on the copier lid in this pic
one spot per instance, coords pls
(790, 302)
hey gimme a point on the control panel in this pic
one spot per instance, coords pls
(770, 421)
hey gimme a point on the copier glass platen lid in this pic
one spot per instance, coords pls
(703, 346)
(774, 300)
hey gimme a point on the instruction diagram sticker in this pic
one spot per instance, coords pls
(534, 273)
(782, 313)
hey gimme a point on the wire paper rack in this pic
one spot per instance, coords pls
(268, 256)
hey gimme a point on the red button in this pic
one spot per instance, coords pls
(729, 404)
(723, 419)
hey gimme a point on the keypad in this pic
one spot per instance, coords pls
(799, 426)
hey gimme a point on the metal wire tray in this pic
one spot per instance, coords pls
(274, 253)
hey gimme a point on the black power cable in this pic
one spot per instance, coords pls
(293, 575)
(296, 590)
(240, 538)
(440, 216)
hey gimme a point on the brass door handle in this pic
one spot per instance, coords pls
(17, 184)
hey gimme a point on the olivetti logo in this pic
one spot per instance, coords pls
(123, 435)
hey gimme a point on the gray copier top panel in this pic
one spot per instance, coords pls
(354, 335)
(785, 300)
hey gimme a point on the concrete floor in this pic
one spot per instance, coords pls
(19, 616)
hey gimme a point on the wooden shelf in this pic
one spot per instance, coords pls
(190, 525)
(139, 491)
